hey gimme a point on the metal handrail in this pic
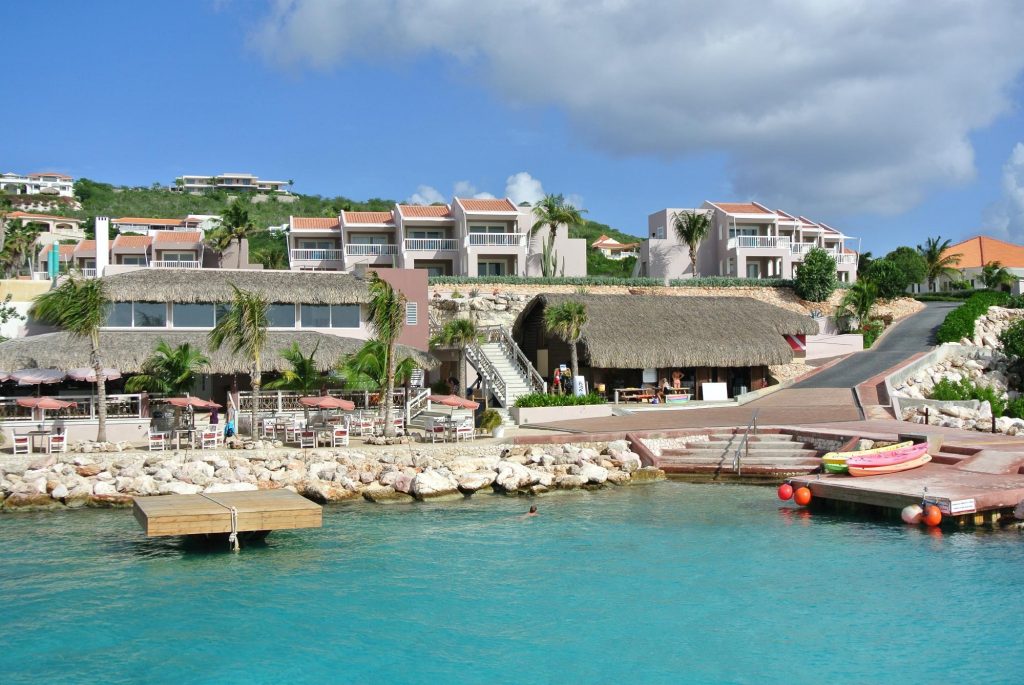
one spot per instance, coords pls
(417, 404)
(743, 449)
(475, 355)
(514, 355)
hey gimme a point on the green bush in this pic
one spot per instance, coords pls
(1012, 340)
(490, 420)
(1015, 408)
(962, 390)
(959, 323)
(871, 331)
(958, 296)
(816, 278)
(910, 263)
(710, 282)
(543, 399)
(888, 277)
(1015, 302)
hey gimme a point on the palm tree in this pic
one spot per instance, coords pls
(566, 320)
(366, 369)
(169, 371)
(244, 328)
(691, 228)
(386, 316)
(460, 333)
(857, 303)
(235, 226)
(994, 275)
(304, 377)
(80, 307)
(938, 263)
(864, 260)
(552, 211)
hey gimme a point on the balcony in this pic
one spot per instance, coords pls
(497, 239)
(176, 264)
(431, 244)
(370, 250)
(800, 250)
(759, 241)
(317, 255)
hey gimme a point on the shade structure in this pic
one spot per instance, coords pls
(194, 402)
(327, 402)
(51, 403)
(89, 375)
(454, 401)
(38, 376)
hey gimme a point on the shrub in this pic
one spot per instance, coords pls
(490, 420)
(959, 323)
(910, 263)
(1015, 408)
(474, 292)
(958, 296)
(888, 278)
(1012, 340)
(543, 399)
(871, 330)
(947, 391)
(1015, 302)
(456, 295)
(816, 279)
(639, 282)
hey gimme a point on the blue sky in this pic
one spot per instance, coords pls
(381, 98)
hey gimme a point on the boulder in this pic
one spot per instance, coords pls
(59, 492)
(88, 470)
(477, 480)
(230, 487)
(380, 494)
(512, 476)
(647, 474)
(103, 488)
(30, 502)
(434, 485)
(44, 462)
(594, 473)
(570, 482)
(179, 488)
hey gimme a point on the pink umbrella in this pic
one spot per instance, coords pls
(89, 375)
(194, 402)
(45, 403)
(327, 402)
(454, 401)
(38, 376)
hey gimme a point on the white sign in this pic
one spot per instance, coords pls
(962, 506)
(579, 384)
(650, 376)
(713, 392)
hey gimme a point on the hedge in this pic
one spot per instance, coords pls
(959, 323)
(710, 282)
(543, 399)
(950, 296)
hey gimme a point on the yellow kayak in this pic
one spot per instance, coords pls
(841, 457)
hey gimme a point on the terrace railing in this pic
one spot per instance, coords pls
(370, 250)
(764, 241)
(515, 357)
(497, 239)
(287, 402)
(431, 244)
(176, 264)
(326, 255)
(127, 406)
(485, 369)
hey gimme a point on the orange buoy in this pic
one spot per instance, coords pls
(932, 515)
(802, 496)
(785, 491)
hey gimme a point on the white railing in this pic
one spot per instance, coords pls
(287, 402)
(370, 250)
(118, 406)
(40, 275)
(801, 249)
(770, 241)
(432, 244)
(333, 255)
(845, 258)
(88, 272)
(176, 264)
(498, 239)
(417, 404)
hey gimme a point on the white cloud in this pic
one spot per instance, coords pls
(426, 195)
(522, 187)
(575, 200)
(840, 106)
(467, 189)
(1006, 216)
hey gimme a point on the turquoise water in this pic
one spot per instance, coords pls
(664, 583)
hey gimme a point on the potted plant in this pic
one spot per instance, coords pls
(490, 422)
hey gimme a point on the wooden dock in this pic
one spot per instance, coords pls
(255, 510)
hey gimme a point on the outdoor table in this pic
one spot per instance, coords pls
(43, 433)
(190, 432)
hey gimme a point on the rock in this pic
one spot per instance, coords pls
(434, 485)
(104, 488)
(59, 492)
(570, 482)
(403, 482)
(179, 488)
(323, 492)
(538, 477)
(230, 487)
(512, 476)
(647, 474)
(88, 470)
(44, 462)
(618, 477)
(461, 465)
(477, 480)
(30, 502)
(380, 494)
(594, 473)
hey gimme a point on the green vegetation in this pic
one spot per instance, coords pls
(597, 263)
(460, 333)
(169, 370)
(691, 229)
(948, 296)
(244, 328)
(1012, 340)
(896, 272)
(551, 212)
(566, 321)
(994, 275)
(936, 264)
(857, 304)
(871, 331)
(947, 390)
(366, 368)
(489, 420)
(709, 282)
(385, 315)
(304, 376)
(542, 399)
(959, 323)
(816, 279)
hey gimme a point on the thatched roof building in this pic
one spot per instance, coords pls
(127, 350)
(657, 331)
(214, 285)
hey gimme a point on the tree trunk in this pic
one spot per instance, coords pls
(239, 245)
(257, 381)
(693, 260)
(101, 390)
(463, 371)
(575, 363)
(389, 390)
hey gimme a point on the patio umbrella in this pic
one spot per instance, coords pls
(454, 401)
(38, 376)
(327, 402)
(194, 402)
(89, 375)
(44, 403)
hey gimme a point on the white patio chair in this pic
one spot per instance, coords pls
(22, 444)
(267, 428)
(57, 442)
(437, 429)
(157, 441)
(339, 436)
(464, 429)
(307, 438)
(210, 440)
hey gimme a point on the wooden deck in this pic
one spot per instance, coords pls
(257, 510)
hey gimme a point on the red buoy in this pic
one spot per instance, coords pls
(932, 515)
(802, 496)
(785, 491)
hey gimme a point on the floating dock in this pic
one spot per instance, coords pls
(226, 512)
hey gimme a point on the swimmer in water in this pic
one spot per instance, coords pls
(532, 512)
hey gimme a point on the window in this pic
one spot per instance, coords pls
(426, 235)
(434, 270)
(150, 314)
(490, 269)
(369, 240)
(120, 315)
(88, 263)
(134, 259)
(411, 313)
(178, 256)
(344, 316)
(316, 316)
(659, 233)
(487, 229)
(194, 315)
(317, 245)
(281, 316)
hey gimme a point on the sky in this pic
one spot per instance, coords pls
(891, 121)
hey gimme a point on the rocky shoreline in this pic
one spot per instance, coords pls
(111, 479)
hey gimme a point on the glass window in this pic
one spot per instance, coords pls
(150, 314)
(193, 315)
(344, 316)
(178, 256)
(369, 240)
(426, 235)
(490, 269)
(221, 309)
(120, 314)
(316, 316)
(316, 245)
(281, 316)
(134, 259)
(486, 229)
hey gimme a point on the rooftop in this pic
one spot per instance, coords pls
(179, 237)
(367, 218)
(143, 221)
(425, 211)
(980, 250)
(315, 222)
(486, 205)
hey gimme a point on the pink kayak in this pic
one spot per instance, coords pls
(897, 456)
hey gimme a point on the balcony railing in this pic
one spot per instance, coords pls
(498, 239)
(845, 258)
(769, 241)
(88, 272)
(800, 250)
(431, 244)
(176, 264)
(315, 255)
(370, 250)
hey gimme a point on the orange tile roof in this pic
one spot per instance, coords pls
(65, 251)
(428, 211)
(978, 251)
(85, 245)
(314, 222)
(742, 208)
(473, 205)
(179, 237)
(29, 215)
(49, 173)
(367, 217)
(147, 221)
(132, 241)
(611, 243)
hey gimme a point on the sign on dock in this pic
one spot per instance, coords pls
(255, 510)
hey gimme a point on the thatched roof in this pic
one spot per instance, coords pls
(214, 285)
(659, 331)
(127, 350)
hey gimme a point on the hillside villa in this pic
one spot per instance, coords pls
(228, 181)
(613, 249)
(972, 256)
(53, 229)
(44, 183)
(746, 240)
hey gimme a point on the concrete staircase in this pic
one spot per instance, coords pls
(771, 456)
(515, 383)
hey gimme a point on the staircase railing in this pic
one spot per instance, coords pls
(475, 355)
(743, 449)
(515, 356)
(417, 404)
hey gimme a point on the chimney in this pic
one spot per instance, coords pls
(102, 244)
